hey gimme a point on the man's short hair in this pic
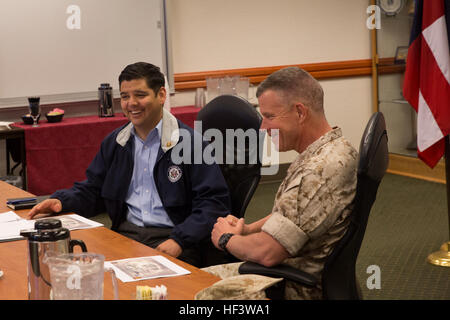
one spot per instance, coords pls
(294, 84)
(143, 70)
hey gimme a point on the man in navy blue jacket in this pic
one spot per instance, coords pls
(150, 198)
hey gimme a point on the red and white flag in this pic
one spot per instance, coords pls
(427, 77)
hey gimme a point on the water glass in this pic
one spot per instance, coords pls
(227, 85)
(200, 98)
(242, 85)
(212, 87)
(78, 276)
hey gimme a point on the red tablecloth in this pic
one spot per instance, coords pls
(58, 154)
(186, 114)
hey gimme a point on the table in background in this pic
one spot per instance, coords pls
(186, 114)
(13, 262)
(13, 134)
(58, 154)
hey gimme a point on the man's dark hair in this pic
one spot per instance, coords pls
(143, 70)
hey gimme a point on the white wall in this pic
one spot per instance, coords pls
(216, 35)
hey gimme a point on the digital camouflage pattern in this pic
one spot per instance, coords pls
(312, 205)
(311, 208)
(240, 287)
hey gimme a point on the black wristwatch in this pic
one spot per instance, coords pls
(223, 240)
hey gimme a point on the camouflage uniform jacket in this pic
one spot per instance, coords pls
(312, 205)
(311, 208)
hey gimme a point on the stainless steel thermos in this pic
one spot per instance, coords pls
(47, 236)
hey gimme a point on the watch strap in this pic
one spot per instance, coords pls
(223, 241)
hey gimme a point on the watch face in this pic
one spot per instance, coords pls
(391, 7)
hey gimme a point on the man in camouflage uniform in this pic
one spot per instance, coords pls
(314, 200)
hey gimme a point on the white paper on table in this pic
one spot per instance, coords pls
(76, 222)
(9, 216)
(11, 230)
(11, 224)
(135, 269)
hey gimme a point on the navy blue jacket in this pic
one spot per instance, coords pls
(193, 200)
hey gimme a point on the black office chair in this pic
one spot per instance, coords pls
(338, 277)
(233, 112)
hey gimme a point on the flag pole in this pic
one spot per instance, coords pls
(442, 257)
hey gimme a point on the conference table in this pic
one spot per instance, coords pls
(13, 261)
(58, 154)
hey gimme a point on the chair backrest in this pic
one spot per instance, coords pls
(233, 112)
(338, 277)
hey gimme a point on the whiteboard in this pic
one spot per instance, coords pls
(62, 50)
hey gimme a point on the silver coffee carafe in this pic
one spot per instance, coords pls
(47, 236)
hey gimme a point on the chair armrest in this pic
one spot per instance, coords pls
(280, 271)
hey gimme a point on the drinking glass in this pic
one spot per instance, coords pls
(78, 276)
(35, 109)
(227, 85)
(212, 88)
(200, 98)
(242, 85)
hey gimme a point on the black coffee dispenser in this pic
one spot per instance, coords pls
(105, 101)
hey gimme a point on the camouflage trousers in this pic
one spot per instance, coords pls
(293, 291)
(224, 271)
(235, 286)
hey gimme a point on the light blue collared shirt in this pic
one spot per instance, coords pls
(144, 204)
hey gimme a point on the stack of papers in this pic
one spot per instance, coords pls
(11, 224)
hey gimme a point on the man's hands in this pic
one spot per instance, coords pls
(48, 206)
(229, 224)
(257, 245)
(171, 247)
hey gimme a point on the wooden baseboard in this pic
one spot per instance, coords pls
(415, 168)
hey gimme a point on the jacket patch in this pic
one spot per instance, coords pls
(174, 173)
